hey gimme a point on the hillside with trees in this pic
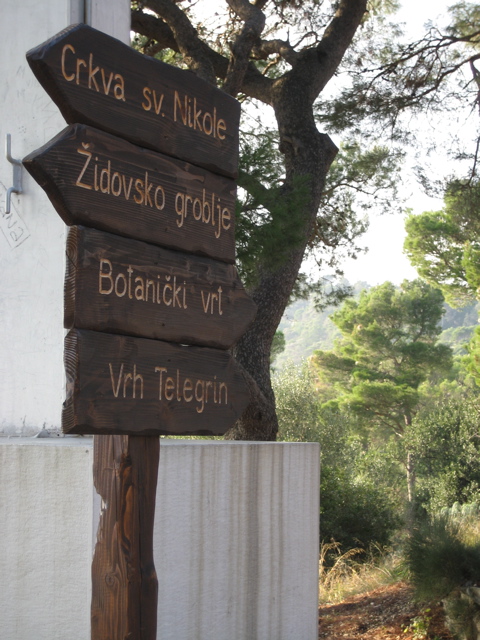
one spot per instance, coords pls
(307, 329)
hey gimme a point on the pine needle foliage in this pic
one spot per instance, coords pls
(439, 560)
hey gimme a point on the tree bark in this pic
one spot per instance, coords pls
(272, 294)
(411, 481)
(307, 153)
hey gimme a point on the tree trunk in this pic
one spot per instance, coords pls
(411, 481)
(308, 154)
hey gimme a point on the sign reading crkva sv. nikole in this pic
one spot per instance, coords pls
(97, 80)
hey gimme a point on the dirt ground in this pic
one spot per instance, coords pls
(387, 613)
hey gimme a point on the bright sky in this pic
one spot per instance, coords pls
(385, 259)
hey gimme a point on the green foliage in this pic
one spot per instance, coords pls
(355, 510)
(270, 219)
(445, 441)
(388, 348)
(443, 558)
(460, 317)
(473, 362)
(305, 330)
(457, 338)
(466, 16)
(354, 513)
(439, 561)
(389, 75)
(443, 245)
(462, 615)
(362, 178)
(419, 625)
(278, 346)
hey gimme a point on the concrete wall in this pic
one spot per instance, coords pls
(32, 236)
(46, 508)
(236, 540)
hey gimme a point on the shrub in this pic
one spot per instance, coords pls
(355, 510)
(443, 558)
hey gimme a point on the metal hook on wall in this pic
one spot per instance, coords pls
(17, 173)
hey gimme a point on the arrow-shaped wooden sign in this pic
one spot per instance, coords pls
(133, 386)
(102, 181)
(97, 80)
(118, 285)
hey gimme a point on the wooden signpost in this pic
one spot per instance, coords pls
(153, 277)
(121, 384)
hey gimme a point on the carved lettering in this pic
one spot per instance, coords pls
(88, 75)
(208, 210)
(146, 289)
(187, 113)
(185, 389)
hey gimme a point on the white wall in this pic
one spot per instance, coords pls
(235, 544)
(46, 507)
(32, 237)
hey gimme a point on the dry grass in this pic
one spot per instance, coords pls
(351, 573)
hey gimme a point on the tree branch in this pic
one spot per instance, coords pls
(196, 53)
(337, 38)
(174, 30)
(254, 23)
(282, 48)
(154, 28)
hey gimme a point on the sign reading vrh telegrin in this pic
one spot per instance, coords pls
(140, 384)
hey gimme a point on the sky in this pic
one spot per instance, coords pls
(385, 259)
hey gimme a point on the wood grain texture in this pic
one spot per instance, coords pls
(101, 181)
(125, 385)
(117, 285)
(124, 581)
(97, 80)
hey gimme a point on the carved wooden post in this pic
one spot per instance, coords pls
(124, 581)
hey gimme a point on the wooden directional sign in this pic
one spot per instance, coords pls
(118, 285)
(135, 386)
(101, 181)
(97, 80)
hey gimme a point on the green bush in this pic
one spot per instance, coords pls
(355, 510)
(445, 442)
(443, 559)
(354, 513)
(439, 560)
